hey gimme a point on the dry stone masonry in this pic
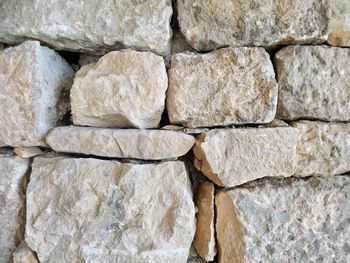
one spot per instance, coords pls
(174, 131)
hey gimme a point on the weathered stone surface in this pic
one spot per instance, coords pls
(121, 143)
(85, 59)
(285, 220)
(209, 25)
(123, 89)
(194, 257)
(27, 152)
(24, 254)
(323, 148)
(109, 212)
(33, 82)
(12, 200)
(231, 157)
(89, 26)
(204, 239)
(314, 83)
(227, 86)
(340, 23)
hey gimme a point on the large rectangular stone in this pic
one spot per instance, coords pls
(314, 83)
(89, 26)
(89, 210)
(230, 157)
(285, 220)
(208, 25)
(227, 86)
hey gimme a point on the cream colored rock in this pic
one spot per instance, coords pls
(340, 23)
(227, 86)
(323, 148)
(89, 26)
(24, 254)
(33, 83)
(210, 25)
(204, 239)
(89, 210)
(285, 220)
(12, 204)
(314, 83)
(27, 152)
(123, 89)
(121, 143)
(231, 157)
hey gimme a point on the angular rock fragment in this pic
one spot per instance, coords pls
(89, 26)
(34, 81)
(209, 25)
(231, 157)
(121, 143)
(227, 86)
(204, 240)
(285, 220)
(323, 148)
(314, 83)
(24, 254)
(27, 152)
(123, 89)
(12, 204)
(340, 23)
(93, 210)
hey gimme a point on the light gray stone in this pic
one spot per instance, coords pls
(121, 143)
(231, 157)
(314, 83)
(89, 26)
(12, 204)
(123, 89)
(34, 83)
(24, 254)
(227, 86)
(89, 210)
(323, 148)
(209, 25)
(285, 220)
(340, 23)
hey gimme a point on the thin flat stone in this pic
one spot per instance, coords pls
(121, 143)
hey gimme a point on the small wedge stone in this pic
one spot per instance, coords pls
(12, 204)
(227, 86)
(27, 152)
(230, 157)
(124, 89)
(34, 88)
(89, 210)
(285, 220)
(209, 25)
(314, 83)
(204, 240)
(121, 143)
(323, 148)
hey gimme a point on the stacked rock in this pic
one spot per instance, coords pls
(227, 140)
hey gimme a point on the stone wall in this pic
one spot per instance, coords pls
(174, 131)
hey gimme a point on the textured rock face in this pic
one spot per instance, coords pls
(110, 212)
(33, 83)
(204, 240)
(123, 89)
(89, 26)
(340, 23)
(231, 157)
(314, 83)
(24, 254)
(12, 200)
(323, 148)
(209, 25)
(227, 86)
(124, 143)
(289, 220)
